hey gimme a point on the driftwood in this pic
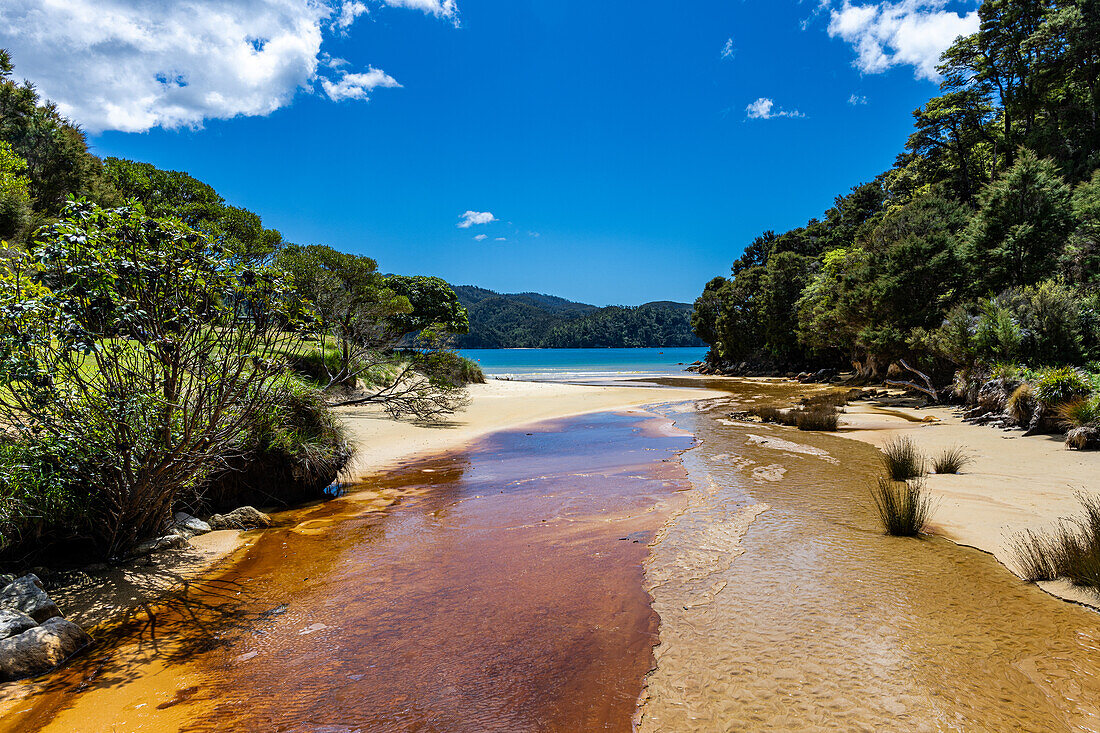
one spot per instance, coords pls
(928, 388)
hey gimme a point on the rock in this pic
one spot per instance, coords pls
(166, 542)
(14, 622)
(245, 517)
(5, 579)
(40, 649)
(993, 395)
(1083, 438)
(190, 526)
(26, 596)
(1042, 422)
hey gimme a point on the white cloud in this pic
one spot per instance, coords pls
(481, 237)
(856, 100)
(907, 32)
(501, 239)
(349, 11)
(475, 217)
(438, 8)
(132, 65)
(357, 86)
(765, 109)
(728, 50)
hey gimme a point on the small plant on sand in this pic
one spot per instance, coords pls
(1080, 413)
(768, 414)
(1022, 404)
(1062, 384)
(1071, 550)
(829, 399)
(903, 506)
(902, 460)
(820, 418)
(950, 460)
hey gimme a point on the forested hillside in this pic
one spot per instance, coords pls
(977, 253)
(533, 320)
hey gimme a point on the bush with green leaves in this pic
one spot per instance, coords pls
(1058, 385)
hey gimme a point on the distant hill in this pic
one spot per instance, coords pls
(533, 320)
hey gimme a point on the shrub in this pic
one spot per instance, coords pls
(825, 418)
(902, 460)
(903, 506)
(1061, 384)
(1080, 413)
(768, 414)
(950, 460)
(450, 369)
(40, 493)
(1022, 404)
(290, 452)
(1072, 550)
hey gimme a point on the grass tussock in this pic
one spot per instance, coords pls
(951, 460)
(1071, 550)
(902, 460)
(1079, 413)
(825, 418)
(904, 507)
(829, 399)
(1022, 404)
(768, 414)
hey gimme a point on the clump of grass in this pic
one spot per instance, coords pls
(825, 418)
(768, 414)
(1072, 550)
(1079, 413)
(902, 460)
(951, 460)
(1022, 404)
(904, 507)
(829, 399)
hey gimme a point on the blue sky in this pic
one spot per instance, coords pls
(626, 152)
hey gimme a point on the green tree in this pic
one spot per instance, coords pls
(15, 194)
(434, 306)
(1021, 227)
(1081, 259)
(174, 193)
(140, 343)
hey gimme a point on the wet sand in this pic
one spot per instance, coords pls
(784, 607)
(502, 592)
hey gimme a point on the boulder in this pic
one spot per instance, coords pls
(1083, 438)
(14, 622)
(1043, 422)
(190, 526)
(40, 649)
(245, 517)
(26, 596)
(166, 542)
(993, 395)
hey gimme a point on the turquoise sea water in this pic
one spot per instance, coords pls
(582, 364)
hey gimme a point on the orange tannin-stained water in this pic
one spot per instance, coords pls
(503, 593)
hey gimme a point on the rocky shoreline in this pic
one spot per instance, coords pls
(35, 637)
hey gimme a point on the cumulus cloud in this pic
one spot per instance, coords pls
(728, 50)
(475, 217)
(349, 11)
(907, 32)
(765, 109)
(357, 86)
(132, 65)
(481, 237)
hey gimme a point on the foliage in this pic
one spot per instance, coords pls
(135, 338)
(173, 193)
(1022, 404)
(15, 194)
(902, 460)
(903, 506)
(1020, 228)
(450, 369)
(817, 418)
(1055, 386)
(433, 304)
